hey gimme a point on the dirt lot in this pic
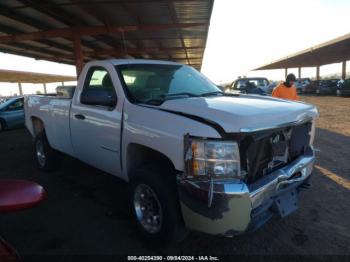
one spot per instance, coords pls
(86, 211)
(334, 111)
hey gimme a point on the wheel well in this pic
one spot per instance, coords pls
(138, 156)
(38, 125)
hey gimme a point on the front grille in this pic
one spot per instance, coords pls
(264, 152)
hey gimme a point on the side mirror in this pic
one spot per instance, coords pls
(99, 96)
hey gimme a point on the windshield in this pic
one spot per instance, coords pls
(150, 82)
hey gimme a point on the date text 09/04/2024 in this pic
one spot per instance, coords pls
(172, 258)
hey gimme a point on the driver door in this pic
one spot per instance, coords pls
(95, 129)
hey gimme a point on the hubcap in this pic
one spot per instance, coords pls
(40, 154)
(147, 208)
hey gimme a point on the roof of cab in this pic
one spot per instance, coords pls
(141, 61)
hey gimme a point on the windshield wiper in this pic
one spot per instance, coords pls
(154, 101)
(163, 98)
(194, 95)
(181, 94)
(212, 93)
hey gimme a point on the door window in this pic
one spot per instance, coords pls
(98, 88)
(241, 84)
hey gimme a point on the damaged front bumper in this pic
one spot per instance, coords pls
(232, 207)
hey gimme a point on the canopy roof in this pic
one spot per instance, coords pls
(74, 31)
(333, 51)
(30, 77)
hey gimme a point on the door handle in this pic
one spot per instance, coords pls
(79, 116)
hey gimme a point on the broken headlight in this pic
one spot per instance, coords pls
(217, 159)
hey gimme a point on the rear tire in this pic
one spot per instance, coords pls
(155, 206)
(46, 157)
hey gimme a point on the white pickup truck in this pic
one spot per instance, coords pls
(195, 157)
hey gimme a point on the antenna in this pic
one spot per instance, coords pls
(124, 44)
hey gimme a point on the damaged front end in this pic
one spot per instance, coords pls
(236, 185)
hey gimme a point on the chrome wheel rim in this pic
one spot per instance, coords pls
(148, 209)
(40, 154)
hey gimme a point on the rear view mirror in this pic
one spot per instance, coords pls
(99, 96)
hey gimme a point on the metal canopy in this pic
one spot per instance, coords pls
(334, 51)
(74, 31)
(30, 77)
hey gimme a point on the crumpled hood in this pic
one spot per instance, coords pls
(244, 112)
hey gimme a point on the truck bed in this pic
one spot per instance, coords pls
(54, 112)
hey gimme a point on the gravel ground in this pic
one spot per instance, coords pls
(86, 212)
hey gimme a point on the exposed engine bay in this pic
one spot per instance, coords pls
(264, 152)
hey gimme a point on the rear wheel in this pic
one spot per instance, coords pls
(155, 206)
(46, 157)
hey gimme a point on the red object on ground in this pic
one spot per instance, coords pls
(19, 194)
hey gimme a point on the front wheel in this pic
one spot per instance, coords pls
(155, 206)
(46, 157)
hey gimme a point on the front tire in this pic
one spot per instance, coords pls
(46, 157)
(155, 206)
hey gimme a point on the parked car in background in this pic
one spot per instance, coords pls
(252, 85)
(343, 87)
(271, 87)
(301, 84)
(310, 88)
(326, 87)
(11, 113)
(3, 99)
